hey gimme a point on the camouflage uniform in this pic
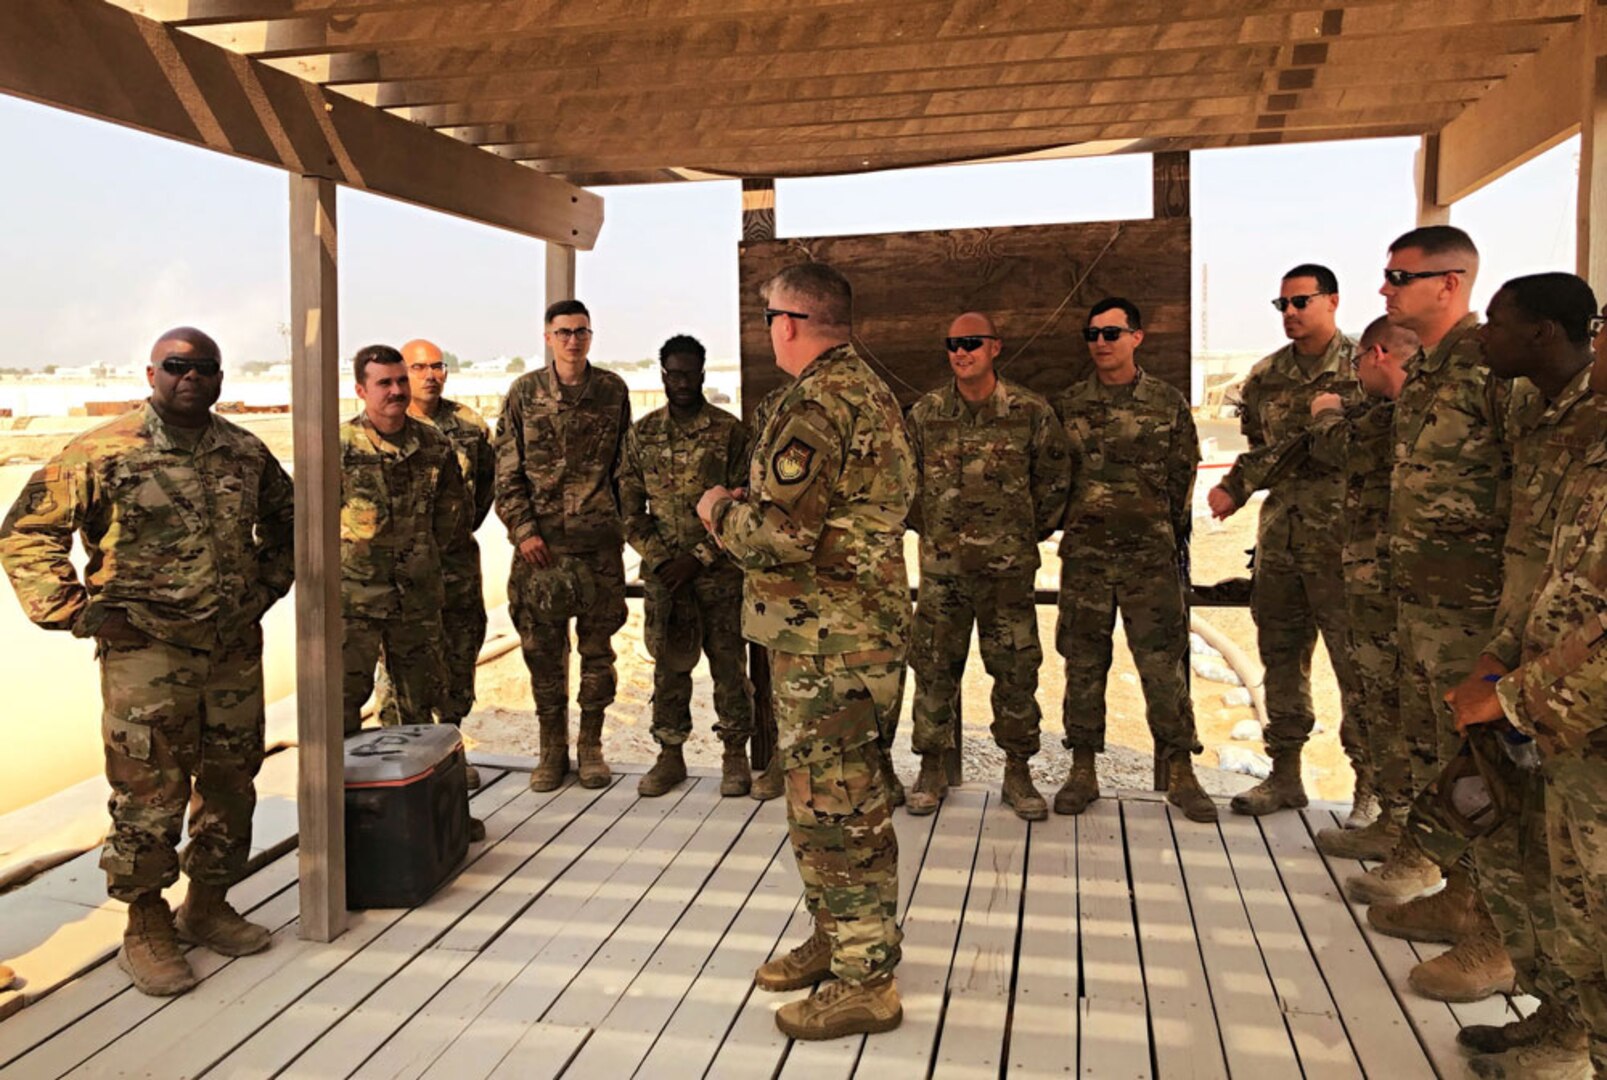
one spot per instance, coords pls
(991, 484)
(1134, 454)
(191, 538)
(462, 625)
(667, 466)
(821, 538)
(1359, 440)
(1556, 696)
(403, 516)
(1299, 588)
(558, 451)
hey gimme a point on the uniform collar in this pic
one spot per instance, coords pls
(547, 379)
(1293, 366)
(1435, 360)
(157, 430)
(1577, 390)
(401, 444)
(701, 420)
(1139, 387)
(997, 403)
(833, 355)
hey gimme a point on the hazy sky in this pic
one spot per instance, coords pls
(112, 236)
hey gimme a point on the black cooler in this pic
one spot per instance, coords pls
(407, 813)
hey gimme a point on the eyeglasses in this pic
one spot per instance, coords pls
(180, 366)
(1363, 352)
(579, 333)
(438, 367)
(969, 343)
(1284, 303)
(770, 314)
(1398, 278)
(1109, 333)
(1594, 324)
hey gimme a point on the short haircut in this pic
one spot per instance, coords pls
(1381, 330)
(565, 307)
(822, 289)
(1436, 240)
(373, 354)
(683, 345)
(1326, 280)
(1135, 320)
(1565, 299)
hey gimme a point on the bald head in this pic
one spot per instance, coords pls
(185, 341)
(972, 322)
(420, 349)
(426, 375)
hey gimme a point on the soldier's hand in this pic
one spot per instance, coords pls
(1474, 701)
(705, 505)
(534, 551)
(676, 572)
(1324, 402)
(1222, 504)
(117, 630)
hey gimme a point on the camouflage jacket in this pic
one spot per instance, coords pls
(477, 461)
(1358, 441)
(1556, 694)
(1134, 456)
(192, 545)
(821, 534)
(989, 486)
(1301, 517)
(403, 515)
(1550, 443)
(556, 460)
(664, 471)
(1449, 492)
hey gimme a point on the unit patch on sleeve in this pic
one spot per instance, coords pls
(791, 463)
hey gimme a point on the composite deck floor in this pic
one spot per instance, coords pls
(595, 934)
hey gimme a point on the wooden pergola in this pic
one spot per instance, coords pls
(503, 111)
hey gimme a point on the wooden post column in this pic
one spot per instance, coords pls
(1430, 211)
(1591, 250)
(315, 419)
(560, 276)
(1170, 174)
(758, 209)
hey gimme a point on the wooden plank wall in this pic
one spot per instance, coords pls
(909, 286)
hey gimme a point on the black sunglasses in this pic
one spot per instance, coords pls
(1109, 333)
(969, 343)
(770, 314)
(180, 366)
(1284, 303)
(1398, 278)
(1594, 324)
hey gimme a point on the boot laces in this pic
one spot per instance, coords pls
(1474, 952)
(809, 949)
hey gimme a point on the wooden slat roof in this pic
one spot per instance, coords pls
(600, 91)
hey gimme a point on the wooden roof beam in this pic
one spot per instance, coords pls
(163, 81)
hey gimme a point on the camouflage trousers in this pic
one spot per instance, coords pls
(1375, 651)
(181, 729)
(1576, 831)
(1156, 621)
(1290, 604)
(410, 646)
(462, 635)
(1439, 646)
(1006, 621)
(829, 714)
(705, 618)
(588, 587)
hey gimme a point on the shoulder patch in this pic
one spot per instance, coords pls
(791, 463)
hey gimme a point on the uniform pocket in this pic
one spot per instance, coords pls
(129, 739)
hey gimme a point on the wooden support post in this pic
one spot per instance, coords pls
(1430, 211)
(758, 209)
(315, 407)
(560, 276)
(1170, 170)
(1591, 251)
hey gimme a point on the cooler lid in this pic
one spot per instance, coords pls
(389, 754)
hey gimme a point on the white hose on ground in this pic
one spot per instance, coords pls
(1249, 671)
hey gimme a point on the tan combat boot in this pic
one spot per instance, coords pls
(1281, 790)
(1370, 842)
(890, 780)
(206, 918)
(7, 977)
(1082, 783)
(931, 787)
(150, 952)
(1542, 1061)
(471, 777)
(1499, 1038)
(1184, 792)
(1019, 792)
(667, 771)
(770, 783)
(1471, 970)
(1364, 808)
(1404, 875)
(594, 771)
(736, 776)
(803, 966)
(554, 764)
(1446, 916)
(839, 1009)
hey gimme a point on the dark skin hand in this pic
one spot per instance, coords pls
(678, 571)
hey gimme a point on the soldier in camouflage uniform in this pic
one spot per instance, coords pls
(769, 784)
(463, 627)
(403, 517)
(991, 467)
(186, 519)
(1359, 441)
(1134, 454)
(820, 535)
(1299, 588)
(1448, 515)
(558, 446)
(693, 590)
